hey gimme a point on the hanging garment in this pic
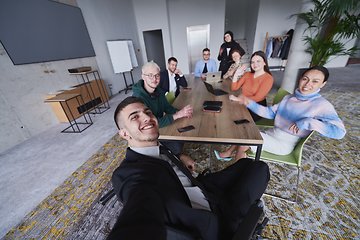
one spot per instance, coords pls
(276, 48)
(287, 43)
(269, 48)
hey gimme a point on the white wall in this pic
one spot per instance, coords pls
(181, 14)
(111, 20)
(273, 18)
(236, 17)
(22, 94)
(251, 23)
(341, 60)
(152, 15)
(188, 13)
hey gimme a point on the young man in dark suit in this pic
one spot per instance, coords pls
(156, 189)
(172, 78)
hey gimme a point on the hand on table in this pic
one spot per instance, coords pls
(233, 98)
(187, 111)
(203, 76)
(242, 99)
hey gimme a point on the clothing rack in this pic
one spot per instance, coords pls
(283, 62)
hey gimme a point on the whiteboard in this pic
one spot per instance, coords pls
(134, 62)
(122, 55)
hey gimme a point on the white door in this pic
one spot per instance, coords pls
(198, 39)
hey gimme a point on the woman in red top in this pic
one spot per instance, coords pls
(255, 84)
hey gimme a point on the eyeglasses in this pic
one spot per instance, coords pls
(150, 75)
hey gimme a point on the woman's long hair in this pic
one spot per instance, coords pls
(263, 55)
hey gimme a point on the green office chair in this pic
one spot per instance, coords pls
(264, 122)
(293, 158)
(170, 97)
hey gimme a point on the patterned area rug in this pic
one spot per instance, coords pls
(327, 208)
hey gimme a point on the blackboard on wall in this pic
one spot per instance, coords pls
(42, 30)
(122, 55)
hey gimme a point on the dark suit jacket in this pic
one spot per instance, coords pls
(225, 59)
(152, 194)
(164, 82)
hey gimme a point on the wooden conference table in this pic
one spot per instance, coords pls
(217, 128)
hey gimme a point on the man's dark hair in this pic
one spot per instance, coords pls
(122, 105)
(206, 49)
(172, 59)
(321, 69)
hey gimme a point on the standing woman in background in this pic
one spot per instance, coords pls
(225, 52)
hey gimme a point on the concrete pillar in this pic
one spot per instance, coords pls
(297, 58)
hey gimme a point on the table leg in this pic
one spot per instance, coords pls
(72, 118)
(85, 110)
(258, 152)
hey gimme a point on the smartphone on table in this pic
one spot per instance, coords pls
(185, 129)
(237, 122)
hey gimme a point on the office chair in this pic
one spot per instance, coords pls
(170, 97)
(264, 122)
(249, 229)
(293, 158)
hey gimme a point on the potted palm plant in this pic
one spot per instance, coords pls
(331, 24)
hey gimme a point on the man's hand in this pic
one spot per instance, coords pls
(203, 76)
(294, 128)
(188, 162)
(177, 71)
(187, 111)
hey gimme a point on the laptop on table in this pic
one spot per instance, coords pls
(216, 92)
(213, 76)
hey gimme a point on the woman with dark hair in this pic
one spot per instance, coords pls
(295, 117)
(255, 84)
(226, 49)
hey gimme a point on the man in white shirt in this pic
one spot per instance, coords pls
(156, 189)
(172, 78)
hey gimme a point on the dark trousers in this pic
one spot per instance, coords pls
(239, 186)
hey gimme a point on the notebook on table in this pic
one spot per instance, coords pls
(216, 92)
